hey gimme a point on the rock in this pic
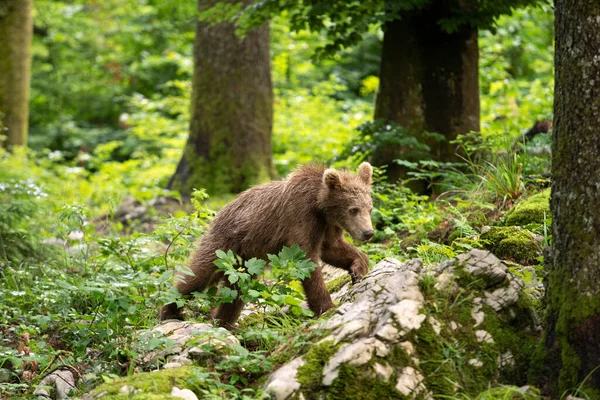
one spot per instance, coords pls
(483, 336)
(383, 371)
(476, 313)
(482, 264)
(408, 347)
(532, 210)
(435, 324)
(475, 362)
(172, 364)
(187, 342)
(358, 353)
(389, 335)
(445, 281)
(506, 296)
(62, 382)
(410, 381)
(130, 390)
(407, 315)
(283, 384)
(186, 394)
(506, 360)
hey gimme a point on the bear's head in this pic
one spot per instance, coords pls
(346, 200)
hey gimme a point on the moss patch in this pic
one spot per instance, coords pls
(533, 210)
(510, 393)
(352, 383)
(512, 243)
(310, 375)
(516, 336)
(336, 284)
(153, 385)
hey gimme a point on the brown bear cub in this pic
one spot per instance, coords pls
(311, 208)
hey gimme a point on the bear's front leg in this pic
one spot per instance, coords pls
(342, 254)
(316, 292)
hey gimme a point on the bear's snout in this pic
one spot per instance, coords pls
(368, 234)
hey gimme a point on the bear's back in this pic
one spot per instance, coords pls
(267, 217)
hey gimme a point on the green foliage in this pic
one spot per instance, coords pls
(346, 22)
(311, 126)
(374, 137)
(100, 55)
(250, 282)
(516, 74)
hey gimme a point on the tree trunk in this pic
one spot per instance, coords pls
(570, 349)
(429, 82)
(16, 31)
(229, 147)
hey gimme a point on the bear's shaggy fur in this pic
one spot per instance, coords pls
(311, 208)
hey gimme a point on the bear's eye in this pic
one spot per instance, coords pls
(354, 211)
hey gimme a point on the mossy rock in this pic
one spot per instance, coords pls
(512, 243)
(153, 385)
(531, 211)
(351, 383)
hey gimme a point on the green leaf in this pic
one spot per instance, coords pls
(292, 301)
(255, 266)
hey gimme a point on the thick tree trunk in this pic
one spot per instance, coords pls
(429, 82)
(229, 147)
(16, 31)
(570, 349)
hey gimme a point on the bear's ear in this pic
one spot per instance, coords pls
(365, 173)
(332, 179)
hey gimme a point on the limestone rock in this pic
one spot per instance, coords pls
(483, 265)
(410, 381)
(384, 371)
(283, 384)
(387, 332)
(357, 353)
(185, 394)
(62, 382)
(506, 296)
(187, 341)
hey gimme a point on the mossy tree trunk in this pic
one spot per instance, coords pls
(16, 32)
(570, 349)
(429, 82)
(229, 146)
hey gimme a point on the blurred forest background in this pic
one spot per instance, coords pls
(95, 212)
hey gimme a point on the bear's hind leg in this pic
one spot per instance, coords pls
(228, 313)
(205, 275)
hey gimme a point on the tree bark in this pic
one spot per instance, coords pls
(229, 146)
(429, 82)
(16, 32)
(570, 349)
